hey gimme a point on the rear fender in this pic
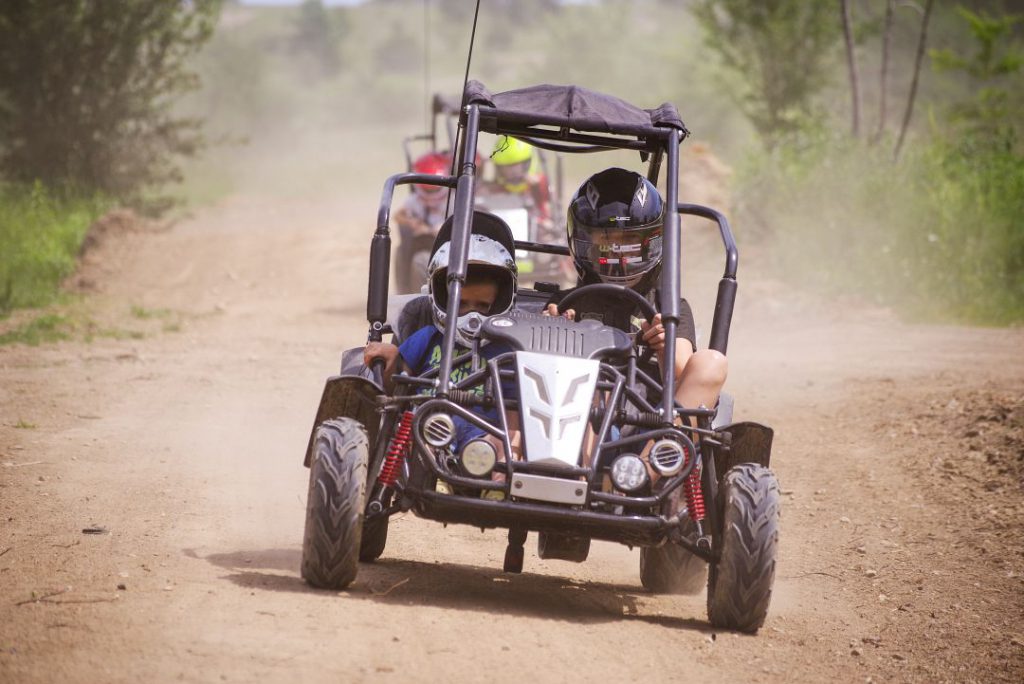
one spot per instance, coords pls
(348, 396)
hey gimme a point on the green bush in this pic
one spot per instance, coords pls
(86, 92)
(40, 235)
(936, 237)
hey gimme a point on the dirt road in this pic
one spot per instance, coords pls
(898, 448)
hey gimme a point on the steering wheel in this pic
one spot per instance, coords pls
(612, 291)
(620, 292)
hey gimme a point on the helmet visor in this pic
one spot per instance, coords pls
(618, 255)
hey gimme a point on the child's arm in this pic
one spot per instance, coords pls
(389, 354)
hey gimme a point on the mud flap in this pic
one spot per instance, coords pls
(349, 396)
(749, 443)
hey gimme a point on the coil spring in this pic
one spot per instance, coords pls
(694, 494)
(397, 451)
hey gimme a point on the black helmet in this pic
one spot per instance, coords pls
(615, 225)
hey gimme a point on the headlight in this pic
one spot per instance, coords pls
(667, 457)
(628, 473)
(438, 430)
(478, 457)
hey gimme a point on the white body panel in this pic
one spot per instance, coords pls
(555, 394)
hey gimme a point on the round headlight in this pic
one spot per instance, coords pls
(628, 473)
(438, 430)
(478, 457)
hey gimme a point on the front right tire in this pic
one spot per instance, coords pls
(740, 583)
(335, 504)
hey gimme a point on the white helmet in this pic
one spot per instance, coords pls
(487, 257)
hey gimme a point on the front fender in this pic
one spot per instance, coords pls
(349, 396)
(748, 443)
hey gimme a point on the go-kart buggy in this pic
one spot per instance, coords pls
(526, 224)
(516, 209)
(606, 452)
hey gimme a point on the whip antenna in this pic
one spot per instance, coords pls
(469, 57)
(462, 103)
(426, 68)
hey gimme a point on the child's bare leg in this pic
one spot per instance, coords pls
(702, 379)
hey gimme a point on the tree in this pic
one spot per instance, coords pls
(782, 52)
(994, 70)
(315, 36)
(87, 91)
(883, 74)
(912, 96)
(851, 67)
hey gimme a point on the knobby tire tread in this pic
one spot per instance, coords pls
(334, 508)
(740, 584)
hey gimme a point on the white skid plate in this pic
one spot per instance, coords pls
(555, 394)
(553, 489)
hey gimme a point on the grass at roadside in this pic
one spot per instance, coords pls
(71, 323)
(46, 328)
(40, 235)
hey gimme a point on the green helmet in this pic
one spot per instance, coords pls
(508, 150)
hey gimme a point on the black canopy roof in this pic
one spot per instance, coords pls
(570, 106)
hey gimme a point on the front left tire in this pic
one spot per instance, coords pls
(335, 504)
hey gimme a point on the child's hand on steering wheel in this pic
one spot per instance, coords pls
(653, 333)
(552, 310)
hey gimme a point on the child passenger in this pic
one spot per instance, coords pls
(489, 290)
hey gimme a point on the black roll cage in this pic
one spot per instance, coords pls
(656, 144)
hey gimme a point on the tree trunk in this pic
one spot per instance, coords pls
(851, 64)
(913, 84)
(883, 76)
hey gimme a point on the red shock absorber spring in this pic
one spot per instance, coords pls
(694, 494)
(397, 451)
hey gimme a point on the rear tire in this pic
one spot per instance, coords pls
(671, 569)
(740, 584)
(335, 504)
(375, 537)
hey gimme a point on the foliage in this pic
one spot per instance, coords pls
(42, 329)
(996, 62)
(87, 91)
(40, 235)
(316, 38)
(302, 135)
(780, 50)
(72, 323)
(936, 237)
